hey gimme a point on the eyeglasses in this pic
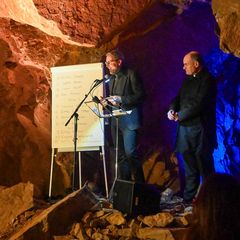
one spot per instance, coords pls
(110, 61)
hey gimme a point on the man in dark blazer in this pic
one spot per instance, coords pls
(125, 92)
(194, 110)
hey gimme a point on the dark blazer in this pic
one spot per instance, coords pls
(128, 85)
(196, 107)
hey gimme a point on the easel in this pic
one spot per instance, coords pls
(70, 82)
(53, 156)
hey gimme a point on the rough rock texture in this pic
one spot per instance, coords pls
(36, 35)
(227, 14)
(162, 170)
(91, 22)
(227, 68)
(13, 202)
(56, 219)
(25, 87)
(96, 225)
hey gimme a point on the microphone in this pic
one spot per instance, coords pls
(106, 79)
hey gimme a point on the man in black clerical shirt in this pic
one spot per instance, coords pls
(194, 110)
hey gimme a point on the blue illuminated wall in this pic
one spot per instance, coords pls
(157, 55)
(226, 68)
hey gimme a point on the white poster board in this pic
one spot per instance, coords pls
(69, 86)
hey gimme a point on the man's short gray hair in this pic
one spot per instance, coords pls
(116, 54)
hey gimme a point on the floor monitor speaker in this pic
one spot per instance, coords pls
(135, 198)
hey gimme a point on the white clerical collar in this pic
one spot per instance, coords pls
(196, 73)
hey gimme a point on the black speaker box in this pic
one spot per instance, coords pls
(135, 198)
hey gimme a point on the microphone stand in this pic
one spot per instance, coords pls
(75, 115)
